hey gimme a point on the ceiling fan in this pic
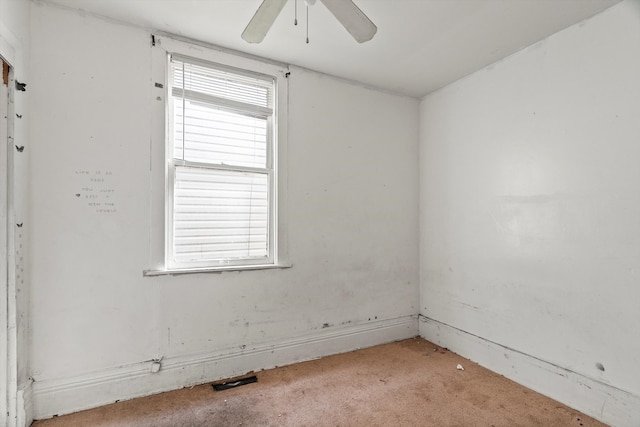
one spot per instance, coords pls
(345, 11)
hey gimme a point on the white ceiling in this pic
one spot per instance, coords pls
(421, 45)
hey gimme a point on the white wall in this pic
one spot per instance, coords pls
(14, 26)
(14, 47)
(97, 322)
(530, 216)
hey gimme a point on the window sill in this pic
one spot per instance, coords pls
(180, 271)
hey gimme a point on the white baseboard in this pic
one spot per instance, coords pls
(25, 405)
(67, 395)
(592, 397)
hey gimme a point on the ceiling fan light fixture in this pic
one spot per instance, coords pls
(345, 11)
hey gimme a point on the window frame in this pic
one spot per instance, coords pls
(161, 246)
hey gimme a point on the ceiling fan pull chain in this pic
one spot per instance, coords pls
(307, 24)
(295, 13)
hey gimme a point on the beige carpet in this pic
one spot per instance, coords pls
(405, 383)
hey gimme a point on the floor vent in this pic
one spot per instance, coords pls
(236, 383)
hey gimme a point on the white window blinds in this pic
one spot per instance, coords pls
(222, 134)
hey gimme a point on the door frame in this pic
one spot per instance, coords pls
(8, 305)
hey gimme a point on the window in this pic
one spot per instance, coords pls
(222, 166)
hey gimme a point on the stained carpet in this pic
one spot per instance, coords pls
(405, 383)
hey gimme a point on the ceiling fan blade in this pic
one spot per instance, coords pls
(352, 18)
(262, 20)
